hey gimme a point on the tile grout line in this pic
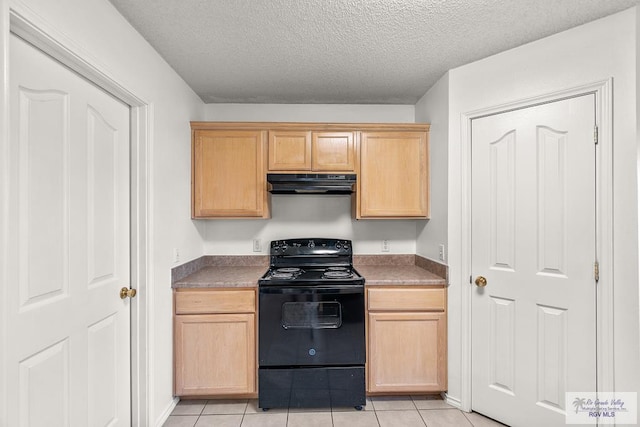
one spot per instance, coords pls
(244, 412)
(416, 406)
(200, 414)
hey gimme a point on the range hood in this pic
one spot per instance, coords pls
(311, 183)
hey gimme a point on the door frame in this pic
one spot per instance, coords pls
(18, 19)
(603, 233)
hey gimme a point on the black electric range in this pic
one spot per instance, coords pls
(311, 326)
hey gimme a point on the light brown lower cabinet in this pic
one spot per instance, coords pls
(407, 340)
(215, 343)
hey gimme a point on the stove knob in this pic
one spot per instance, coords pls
(311, 244)
(345, 246)
(338, 246)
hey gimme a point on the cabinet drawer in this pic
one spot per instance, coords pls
(407, 299)
(215, 301)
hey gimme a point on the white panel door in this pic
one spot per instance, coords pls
(68, 357)
(533, 239)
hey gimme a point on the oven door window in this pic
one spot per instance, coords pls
(311, 315)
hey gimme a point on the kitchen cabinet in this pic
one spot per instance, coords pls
(215, 342)
(406, 339)
(307, 151)
(230, 161)
(393, 180)
(229, 174)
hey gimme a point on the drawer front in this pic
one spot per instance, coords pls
(407, 299)
(215, 301)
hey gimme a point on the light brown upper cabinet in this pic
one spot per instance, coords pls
(289, 150)
(229, 174)
(393, 180)
(303, 151)
(230, 161)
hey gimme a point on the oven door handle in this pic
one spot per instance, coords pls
(307, 290)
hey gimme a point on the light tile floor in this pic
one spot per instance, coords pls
(397, 411)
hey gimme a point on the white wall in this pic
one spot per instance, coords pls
(97, 32)
(329, 113)
(308, 215)
(638, 122)
(589, 53)
(433, 108)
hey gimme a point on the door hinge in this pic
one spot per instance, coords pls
(595, 135)
(596, 271)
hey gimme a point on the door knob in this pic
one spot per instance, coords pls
(481, 282)
(126, 292)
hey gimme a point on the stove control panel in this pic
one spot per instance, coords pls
(293, 247)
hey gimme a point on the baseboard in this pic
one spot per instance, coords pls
(165, 414)
(452, 401)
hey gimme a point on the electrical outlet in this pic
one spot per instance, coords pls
(441, 254)
(176, 255)
(385, 246)
(257, 245)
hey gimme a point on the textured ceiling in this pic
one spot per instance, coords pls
(340, 51)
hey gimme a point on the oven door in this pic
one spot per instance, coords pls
(311, 326)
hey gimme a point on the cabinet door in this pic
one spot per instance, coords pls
(215, 354)
(229, 174)
(394, 178)
(289, 151)
(333, 151)
(407, 352)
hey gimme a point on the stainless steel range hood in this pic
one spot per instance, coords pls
(311, 183)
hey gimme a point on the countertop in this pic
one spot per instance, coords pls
(381, 275)
(222, 277)
(395, 271)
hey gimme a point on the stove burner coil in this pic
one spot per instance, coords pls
(337, 274)
(286, 273)
(277, 275)
(292, 270)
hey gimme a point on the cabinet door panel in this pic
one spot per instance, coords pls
(407, 352)
(394, 178)
(406, 299)
(215, 354)
(333, 151)
(229, 174)
(289, 151)
(205, 301)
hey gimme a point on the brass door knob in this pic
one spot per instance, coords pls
(126, 292)
(481, 282)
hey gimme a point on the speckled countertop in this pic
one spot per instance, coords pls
(380, 275)
(222, 277)
(244, 271)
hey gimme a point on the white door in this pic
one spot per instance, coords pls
(68, 357)
(533, 240)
